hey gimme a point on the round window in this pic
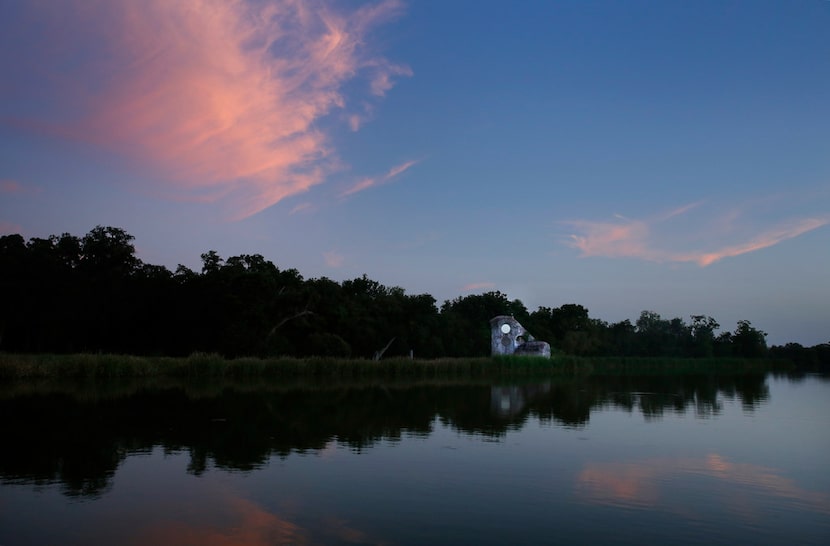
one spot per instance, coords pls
(505, 328)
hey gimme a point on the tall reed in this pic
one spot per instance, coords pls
(204, 365)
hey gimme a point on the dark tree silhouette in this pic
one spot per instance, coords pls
(69, 294)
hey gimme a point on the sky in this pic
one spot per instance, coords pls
(625, 156)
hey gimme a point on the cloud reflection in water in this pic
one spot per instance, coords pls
(654, 483)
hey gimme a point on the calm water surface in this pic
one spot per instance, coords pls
(681, 459)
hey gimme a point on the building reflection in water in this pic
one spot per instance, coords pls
(509, 401)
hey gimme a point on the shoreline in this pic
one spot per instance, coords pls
(201, 365)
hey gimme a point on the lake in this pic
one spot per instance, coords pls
(680, 459)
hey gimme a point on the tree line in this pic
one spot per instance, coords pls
(68, 294)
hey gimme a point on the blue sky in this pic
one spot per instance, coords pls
(669, 156)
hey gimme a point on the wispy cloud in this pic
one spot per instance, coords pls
(658, 239)
(624, 238)
(355, 121)
(302, 207)
(333, 259)
(224, 97)
(9, 228)
(477, 286)
(766, 239)
(383, 79)
(10, 186)
(370, 182)
(13, 187)
(419, 240)
(680, 210)
(363, 184)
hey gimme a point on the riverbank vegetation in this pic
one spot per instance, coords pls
(213, 366)
(91, 295)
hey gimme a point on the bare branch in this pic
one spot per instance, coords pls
(379, 354)
(286, 319)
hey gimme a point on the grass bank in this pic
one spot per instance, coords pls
(199, 365)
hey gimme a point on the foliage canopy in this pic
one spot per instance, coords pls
(68, 294)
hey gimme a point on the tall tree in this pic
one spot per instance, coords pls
(748, 341)
(466, 321)
(108, 251)
(703, 330)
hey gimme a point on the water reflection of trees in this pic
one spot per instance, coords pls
(653, 396)
(79, 441)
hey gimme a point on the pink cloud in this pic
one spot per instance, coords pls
(764, 240)
(653, 241)
(395, 171)
(478, 286)
(626, 239)
(368, 182)
(8, 228)
(355, 121)
(223, 97)
(10, 186)
(383, 80)
(14, 187)
(363, 184)
(333, 259)
(680, 210)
